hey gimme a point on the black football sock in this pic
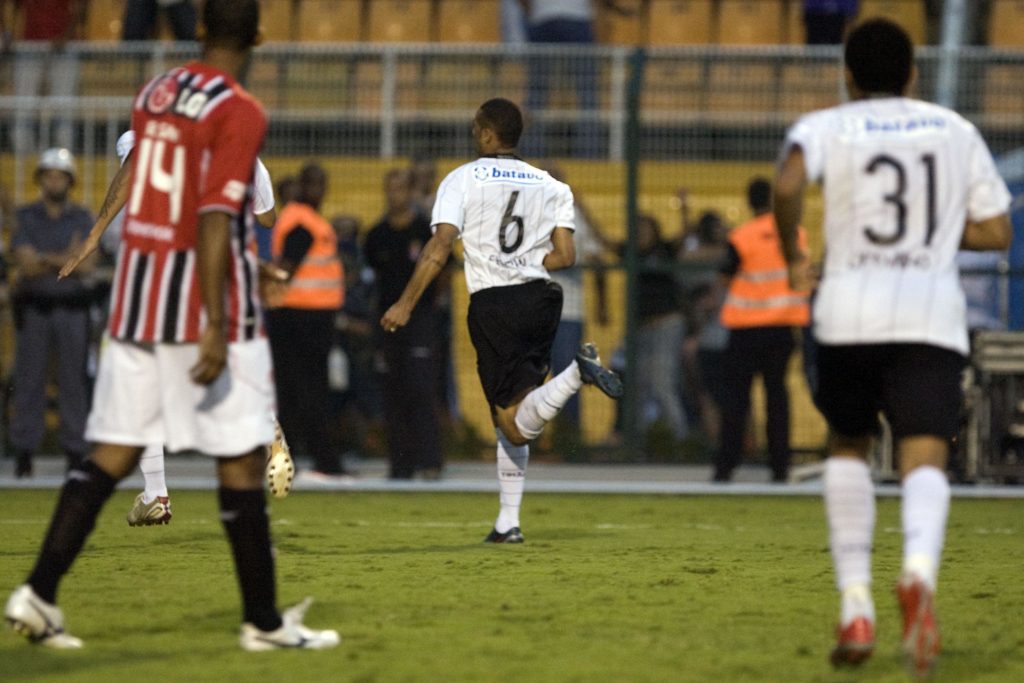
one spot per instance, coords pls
(244, 516)
(80, 502)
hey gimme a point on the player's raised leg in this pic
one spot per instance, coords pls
(153, 505)
(924, 511)
(31, 609)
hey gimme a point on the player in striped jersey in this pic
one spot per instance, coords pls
(187, 363)
(906, 184)
(516, 225)
(153, 505)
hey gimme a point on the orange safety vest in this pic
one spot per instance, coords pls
(318, 282)
(759, 293)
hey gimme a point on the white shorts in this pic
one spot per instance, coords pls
(144, 395)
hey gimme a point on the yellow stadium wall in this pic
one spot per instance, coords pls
(355, 187)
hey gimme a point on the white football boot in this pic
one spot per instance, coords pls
(291, 634)
(38, 620)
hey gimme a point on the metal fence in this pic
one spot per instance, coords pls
(706, 120)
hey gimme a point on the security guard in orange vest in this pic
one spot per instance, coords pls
(761, 313)
(301, 322)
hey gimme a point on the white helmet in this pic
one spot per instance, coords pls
(57, 159)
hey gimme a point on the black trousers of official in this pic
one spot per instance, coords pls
(410, 403)
(45, 331)
(754, 351)
(300, 341)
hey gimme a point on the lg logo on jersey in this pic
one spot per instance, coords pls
(190, 103)
(186, 101)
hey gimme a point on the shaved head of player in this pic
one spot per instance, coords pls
(879, 60)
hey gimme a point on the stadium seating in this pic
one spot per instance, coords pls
(1002, 95)
(276, 20)
(337, 21)
(794, 23)
(671, 86)
(907, 13)
(680, 22)
(1006, 24)
(806, 87)
(741, 87)
(750, 22)
(614, 28)
(469, 21)
(399, 21)
(104, 20)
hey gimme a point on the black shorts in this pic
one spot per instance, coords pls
(512, 329)
(917, 387)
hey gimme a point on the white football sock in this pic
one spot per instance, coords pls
(512, 461)
(856, 602)
(924, 511)
(850, 509)
(542, 404)
(152, 465)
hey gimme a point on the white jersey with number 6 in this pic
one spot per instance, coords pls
(899, 177)
(505, 211)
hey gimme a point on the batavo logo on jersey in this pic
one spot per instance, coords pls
(486, 173)
(162, 96)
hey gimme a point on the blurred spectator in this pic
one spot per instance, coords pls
(301, 325)
(355, 394)
(661, 330)
(140, 19)
(513, 22)
(981, 288)
(423, 169)
(760, 313)
(47, 25)
(51, 314)
(564, 22)
(392, 248)
(589, 242)
(825, 21)
(704, 248)
(424, 185)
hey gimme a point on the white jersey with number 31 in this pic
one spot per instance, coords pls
(505, 211)
(900, 177)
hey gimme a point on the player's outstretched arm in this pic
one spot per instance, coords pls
(563, 252)
(991, 234)
(790, 180)
(117, 196)
(431, 262)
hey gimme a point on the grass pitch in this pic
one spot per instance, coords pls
(606, 588)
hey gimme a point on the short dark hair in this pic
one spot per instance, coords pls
(880, 56)
(504, 118)
(231, 23)
(759, 194)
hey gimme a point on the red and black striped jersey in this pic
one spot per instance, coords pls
(198, 133)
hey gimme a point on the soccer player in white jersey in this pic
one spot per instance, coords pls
(516, 225)
(905, 184)
(153, 505)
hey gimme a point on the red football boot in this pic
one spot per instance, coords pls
(855, 643)
(920, 630)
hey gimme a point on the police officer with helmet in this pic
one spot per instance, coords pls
(51, 314)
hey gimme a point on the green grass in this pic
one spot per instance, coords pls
(606, 588)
